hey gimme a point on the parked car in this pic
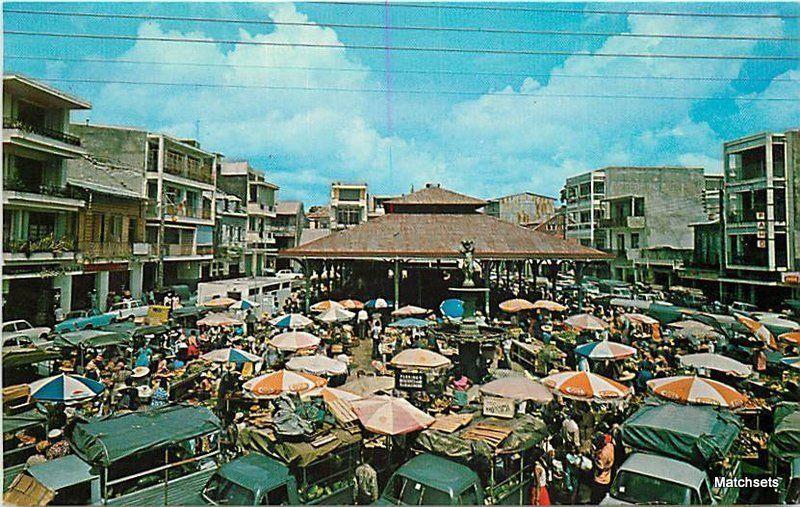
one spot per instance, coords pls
(128, 310)
(743, 308)
(288, 273)
(22, 333)
(84, 319)
(432, 480)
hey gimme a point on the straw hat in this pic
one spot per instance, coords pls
(140, 372)
(53, 434)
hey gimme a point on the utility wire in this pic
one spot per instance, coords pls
(399, 71)
(562, 10)
(473, 29)
(520, 52)
(415, 92)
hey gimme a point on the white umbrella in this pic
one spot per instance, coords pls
(294, 340)
(336, 315)
(707, 361)
(317, 365)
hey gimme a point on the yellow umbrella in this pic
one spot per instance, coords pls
(516, 305)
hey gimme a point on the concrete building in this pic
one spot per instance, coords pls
(230, 236)
(712, 195)
(40, 212)
(376, 205)
(582, 195)
(349, 204)
(761, 251)
(318, 217)
(554, 224)
(179, 181)
(288, 224)
(249, 184)
(523, 208)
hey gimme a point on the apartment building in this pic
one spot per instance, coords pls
(761, 251)
(288, 224)
(318, 217)
(521, 209)
(582, 195)
(179, 185)
(230, 236)
(40, 212)
(712, 195)
(375, 207)
(249, 184)
(349, 204)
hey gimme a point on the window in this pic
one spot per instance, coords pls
(174, 161)
(469, 496)
(635, 240)
(23, 325)
(778, 160)
(40, 225)
(349, 194)
(620, 242)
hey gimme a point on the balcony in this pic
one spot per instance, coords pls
(172, 210)
(255, 208)
(15, 124)
(198, 173)
(45, 248)
(631, 222)
(105, 250)
(144, 249)
(41, 139)
(284, 230)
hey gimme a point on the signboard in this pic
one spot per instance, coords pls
(791, 278)
(761, 243)
(105, 266)
(498, 407)
(409, 381)
(761, 234)
(157, 314)
(760, 215)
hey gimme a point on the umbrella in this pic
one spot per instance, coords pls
(689, 329)
(276, 383)
(377, 304)
(516, 305)
(65, 388)
(331, 394)
(697, 390)
(544, 304)
(518, 388)
(222, 302)
(219, 320)
(336, 315)
(230, 355)
(584, 385)
(365, 386)
(387, 415)
(642, 319)
(317, 365)
(410, 322)
(776, 323)
(792, 362)
(244, 305)
(419, 358)
(793, 337)
(707, 361)
(409, 311)
(294, 340)
(291, 321)
(351, 304)
(605, 350)
(452, 308)
(759, 330)
(326, 305)
(587, 322)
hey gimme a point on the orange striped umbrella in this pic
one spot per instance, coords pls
(697, 390)
(276, 383)
(759, 330)
(584, 385)
(516, 305)
(410, 311)
(793, 337)
(586, 321)
(351, 304)
(324, 306)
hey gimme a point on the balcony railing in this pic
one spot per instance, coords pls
(179, 211)
(17, 185)
(47, 243)
(13, 123)
(174, 250)
(116, 249)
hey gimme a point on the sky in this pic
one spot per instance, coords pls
(485, 123)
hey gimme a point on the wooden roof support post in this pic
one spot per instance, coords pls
(396, 284)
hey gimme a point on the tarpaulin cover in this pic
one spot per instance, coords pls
(527, 432)
(785, 439)
(133, 329)
(107, 440)
(91, 338)
(14, 423)
(300, 454)
(27, 356)
(697, 434)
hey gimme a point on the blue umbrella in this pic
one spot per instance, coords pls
(291, 321)
(230, 355)
(379, 303)
(410, 322)
(452, 308)
(65, 388)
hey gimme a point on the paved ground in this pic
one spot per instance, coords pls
(362, 358)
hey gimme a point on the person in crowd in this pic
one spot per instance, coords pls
(366, 479)
(603, 463)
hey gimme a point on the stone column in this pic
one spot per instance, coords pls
(137, 276)
(396, 284)
(64, 282)
(101, 286)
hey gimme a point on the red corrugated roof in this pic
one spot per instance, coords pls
(436, 196)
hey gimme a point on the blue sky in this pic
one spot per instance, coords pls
(510, 134)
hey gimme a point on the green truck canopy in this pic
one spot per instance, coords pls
(527, 431)
(15, 423)
(696, 434)
(255, 472)
(132, 329)
(90, 338)
(24, 357)
(300, 454)
(106, 440)
(785, 439)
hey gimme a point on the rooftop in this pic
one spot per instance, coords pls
(42, 93)
(106, 177)
(288, 207)
(436, 195)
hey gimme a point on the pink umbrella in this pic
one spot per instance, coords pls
(387, 415)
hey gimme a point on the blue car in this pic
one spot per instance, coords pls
(84, 319)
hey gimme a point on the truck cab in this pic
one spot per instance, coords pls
(651, 479)
(253, 479)
(431, 480)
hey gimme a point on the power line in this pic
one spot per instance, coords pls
(472, 29)
(519, 52)
(415, 92)
(401, 71)
(561, 10)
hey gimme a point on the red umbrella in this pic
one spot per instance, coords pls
(387, 415)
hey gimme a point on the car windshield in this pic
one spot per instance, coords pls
(77, 314)
(405, 491)
(225, 492)
(642, 489)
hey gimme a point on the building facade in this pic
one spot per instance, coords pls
(40, 212)
(349, 204)
(582, 195)
(249, 184)
(230, 236)
(521, 209)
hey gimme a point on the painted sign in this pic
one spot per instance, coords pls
(498, 407)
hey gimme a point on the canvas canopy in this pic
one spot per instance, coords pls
(299, 454)
(255, 472)
(696, 434)
(133, 329)
(527, 431)
(14, 423)
(91, 338)
(785, 440)
(25, 357)
(110, 439)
